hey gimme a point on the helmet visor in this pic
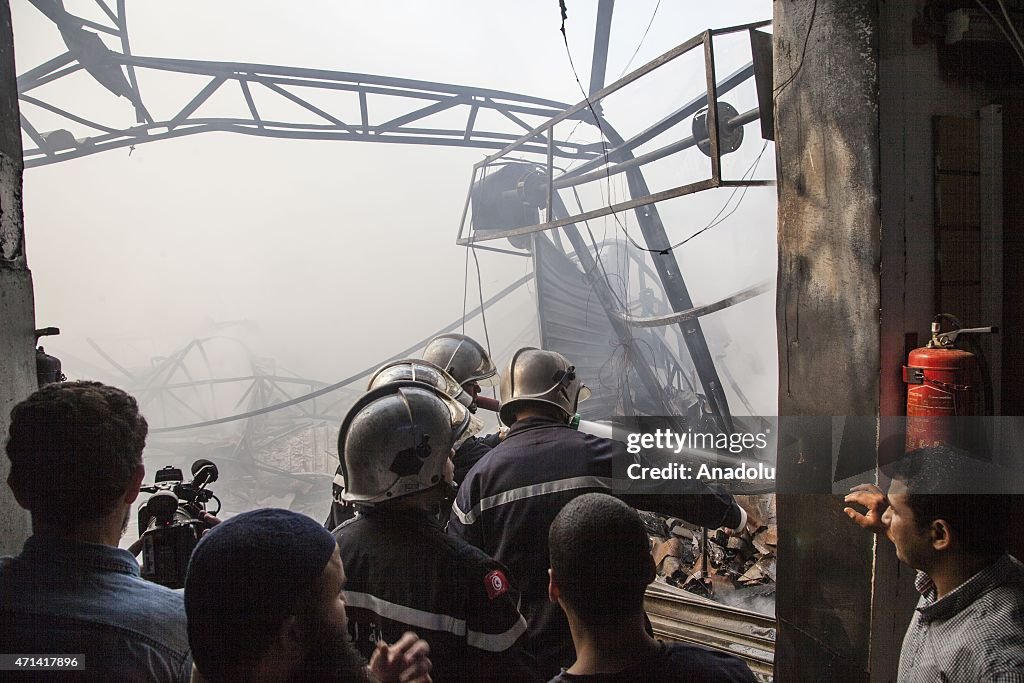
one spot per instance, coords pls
(461, 357)
(415, 370)
(379, 434)
(486, 376)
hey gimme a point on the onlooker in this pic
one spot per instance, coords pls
(600, 566)
(403, 571)
(969, 622)
(265, 603)
(510, 497)
(76, 465)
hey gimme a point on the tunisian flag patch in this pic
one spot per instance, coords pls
(496, 584)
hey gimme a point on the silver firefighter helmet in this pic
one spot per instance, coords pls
(397, 440)
(540, 376)
(462, 358)
(416, 370)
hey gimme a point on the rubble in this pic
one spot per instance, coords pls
(736, 561)
(761, 570)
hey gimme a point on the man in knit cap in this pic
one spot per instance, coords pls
(264, 601)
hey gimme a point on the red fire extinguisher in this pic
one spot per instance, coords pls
(944, 383)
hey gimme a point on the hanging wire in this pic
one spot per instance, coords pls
(479, 285)
(624, 70)
(1018, 49)
(465, 290)
(1009, 25)
(597, 119)
(748, 174)
(480, 290)
(718, 221)
(642, 38)
(803, 51)
(607, 159)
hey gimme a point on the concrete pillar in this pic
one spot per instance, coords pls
(17, 312)
(826, 117)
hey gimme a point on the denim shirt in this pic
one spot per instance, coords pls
(66, 597)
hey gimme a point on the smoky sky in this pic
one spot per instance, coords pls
(338, 254)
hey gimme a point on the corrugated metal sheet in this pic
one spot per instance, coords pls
(573, 322)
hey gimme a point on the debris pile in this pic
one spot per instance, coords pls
(720, 564)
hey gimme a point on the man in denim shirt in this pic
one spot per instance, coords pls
(76, 466)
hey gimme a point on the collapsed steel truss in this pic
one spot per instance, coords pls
(528, 128)
(371, 97)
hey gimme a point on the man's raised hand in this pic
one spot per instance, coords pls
(872, 498)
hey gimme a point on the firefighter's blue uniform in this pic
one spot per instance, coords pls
(511, 496)
(405, 574)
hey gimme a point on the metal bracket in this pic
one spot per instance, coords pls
(912, 375)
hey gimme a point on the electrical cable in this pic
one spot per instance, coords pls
(624, 70)
(810, 25)
(999, 25)
(597, 119)
(480, 290)
(718, 221)
(715, 221)
(465, 282)
(642, 38)
(465, 290)
(604, 145)
(483, 312)
(1009, 24)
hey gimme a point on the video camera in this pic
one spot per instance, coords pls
(170, 522)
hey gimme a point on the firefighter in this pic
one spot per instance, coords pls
(409, 369)
(468, 362)
(510, 497)
(403, 572)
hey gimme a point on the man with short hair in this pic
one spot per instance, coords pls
(265, 602)
(600, 566)
(969, 622)
(76, 465)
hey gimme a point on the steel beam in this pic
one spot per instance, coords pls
(602, 31)
(678, 295)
